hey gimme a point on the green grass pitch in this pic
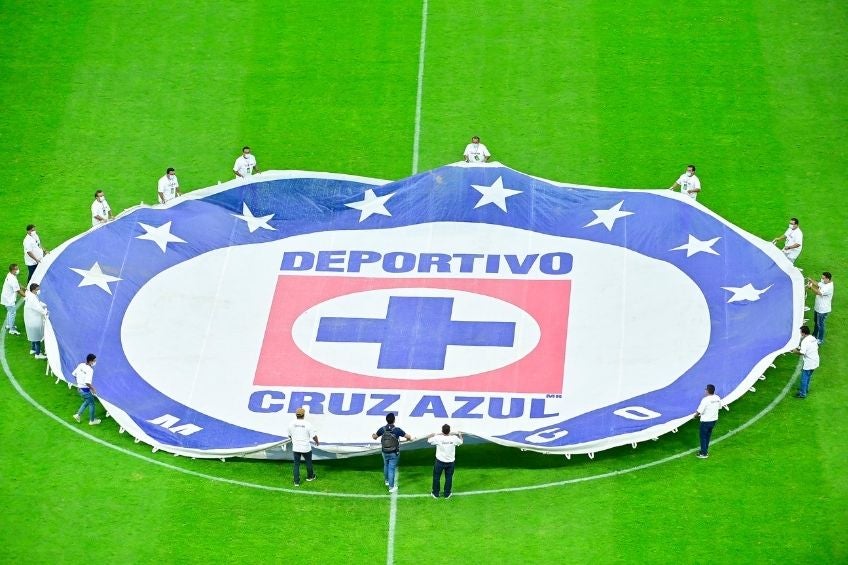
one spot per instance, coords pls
(100, 94)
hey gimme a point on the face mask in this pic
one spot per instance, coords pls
(689, 173)
(16, 272)
(170, 176)
(33, 232)
(93, 364)
(100, 198)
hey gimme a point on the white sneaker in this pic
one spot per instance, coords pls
(32, 351)
(393, 489)
(387, 483)
(94, 422)
(13, 331)
(76, 417)
(40, 356)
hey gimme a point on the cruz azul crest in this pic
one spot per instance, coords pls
(529, 313)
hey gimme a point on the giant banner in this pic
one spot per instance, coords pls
(529, 313)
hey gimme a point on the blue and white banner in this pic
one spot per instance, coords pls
(530, 313)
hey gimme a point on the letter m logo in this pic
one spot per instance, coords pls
(169, 423)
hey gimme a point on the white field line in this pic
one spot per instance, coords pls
(390, 544)
(416, 138)
(78, 430)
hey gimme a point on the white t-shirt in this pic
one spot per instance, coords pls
(476, 153)
(445, 447)
(168, 187)
(101, 209)
(245, 165)
(301, 433)
(709, 407)
(793, 237)
(32, 243)
(823, 300)
(11, 286)
(809, 349)
(84, 374)
(686, 183)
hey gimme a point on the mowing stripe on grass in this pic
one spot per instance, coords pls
(416, 138)
(14, 381)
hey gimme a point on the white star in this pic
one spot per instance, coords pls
(608, 217)
(495, 194)
(161, 236)
(747, 292)
(95, 277)
(254, 222)
(371, 204)
(695, 245)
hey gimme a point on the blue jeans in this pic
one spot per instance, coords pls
(706, 431)
(306, 457)
(11, 311)
(806, 375)
(818, 330)
(438, 467)
(390, 463)
(87, 400)
(36, 346)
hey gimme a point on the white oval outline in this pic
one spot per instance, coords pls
(16, 385)
(525, 316)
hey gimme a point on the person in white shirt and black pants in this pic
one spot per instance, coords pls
(824, 299)
(33, 252)
(301, 433)
(708, 411)
(445, 443)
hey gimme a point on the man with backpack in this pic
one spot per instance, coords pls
(390, 443)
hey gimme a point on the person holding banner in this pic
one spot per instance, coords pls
(245, 164)
(35, 312)
(301, 433)
(84, 373)
(808, 349)
(794, 240)
(11, 292)
(100, 210)
(476, 152)
(168, 186)
(445, 443)
(390, 436)
(708, 411)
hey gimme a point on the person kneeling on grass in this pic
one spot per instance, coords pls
(84, 373)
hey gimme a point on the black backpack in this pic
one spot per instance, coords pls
(389, 440)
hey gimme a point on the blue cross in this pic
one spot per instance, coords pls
(416, 332)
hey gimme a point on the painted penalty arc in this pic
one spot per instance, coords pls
(25, 395)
